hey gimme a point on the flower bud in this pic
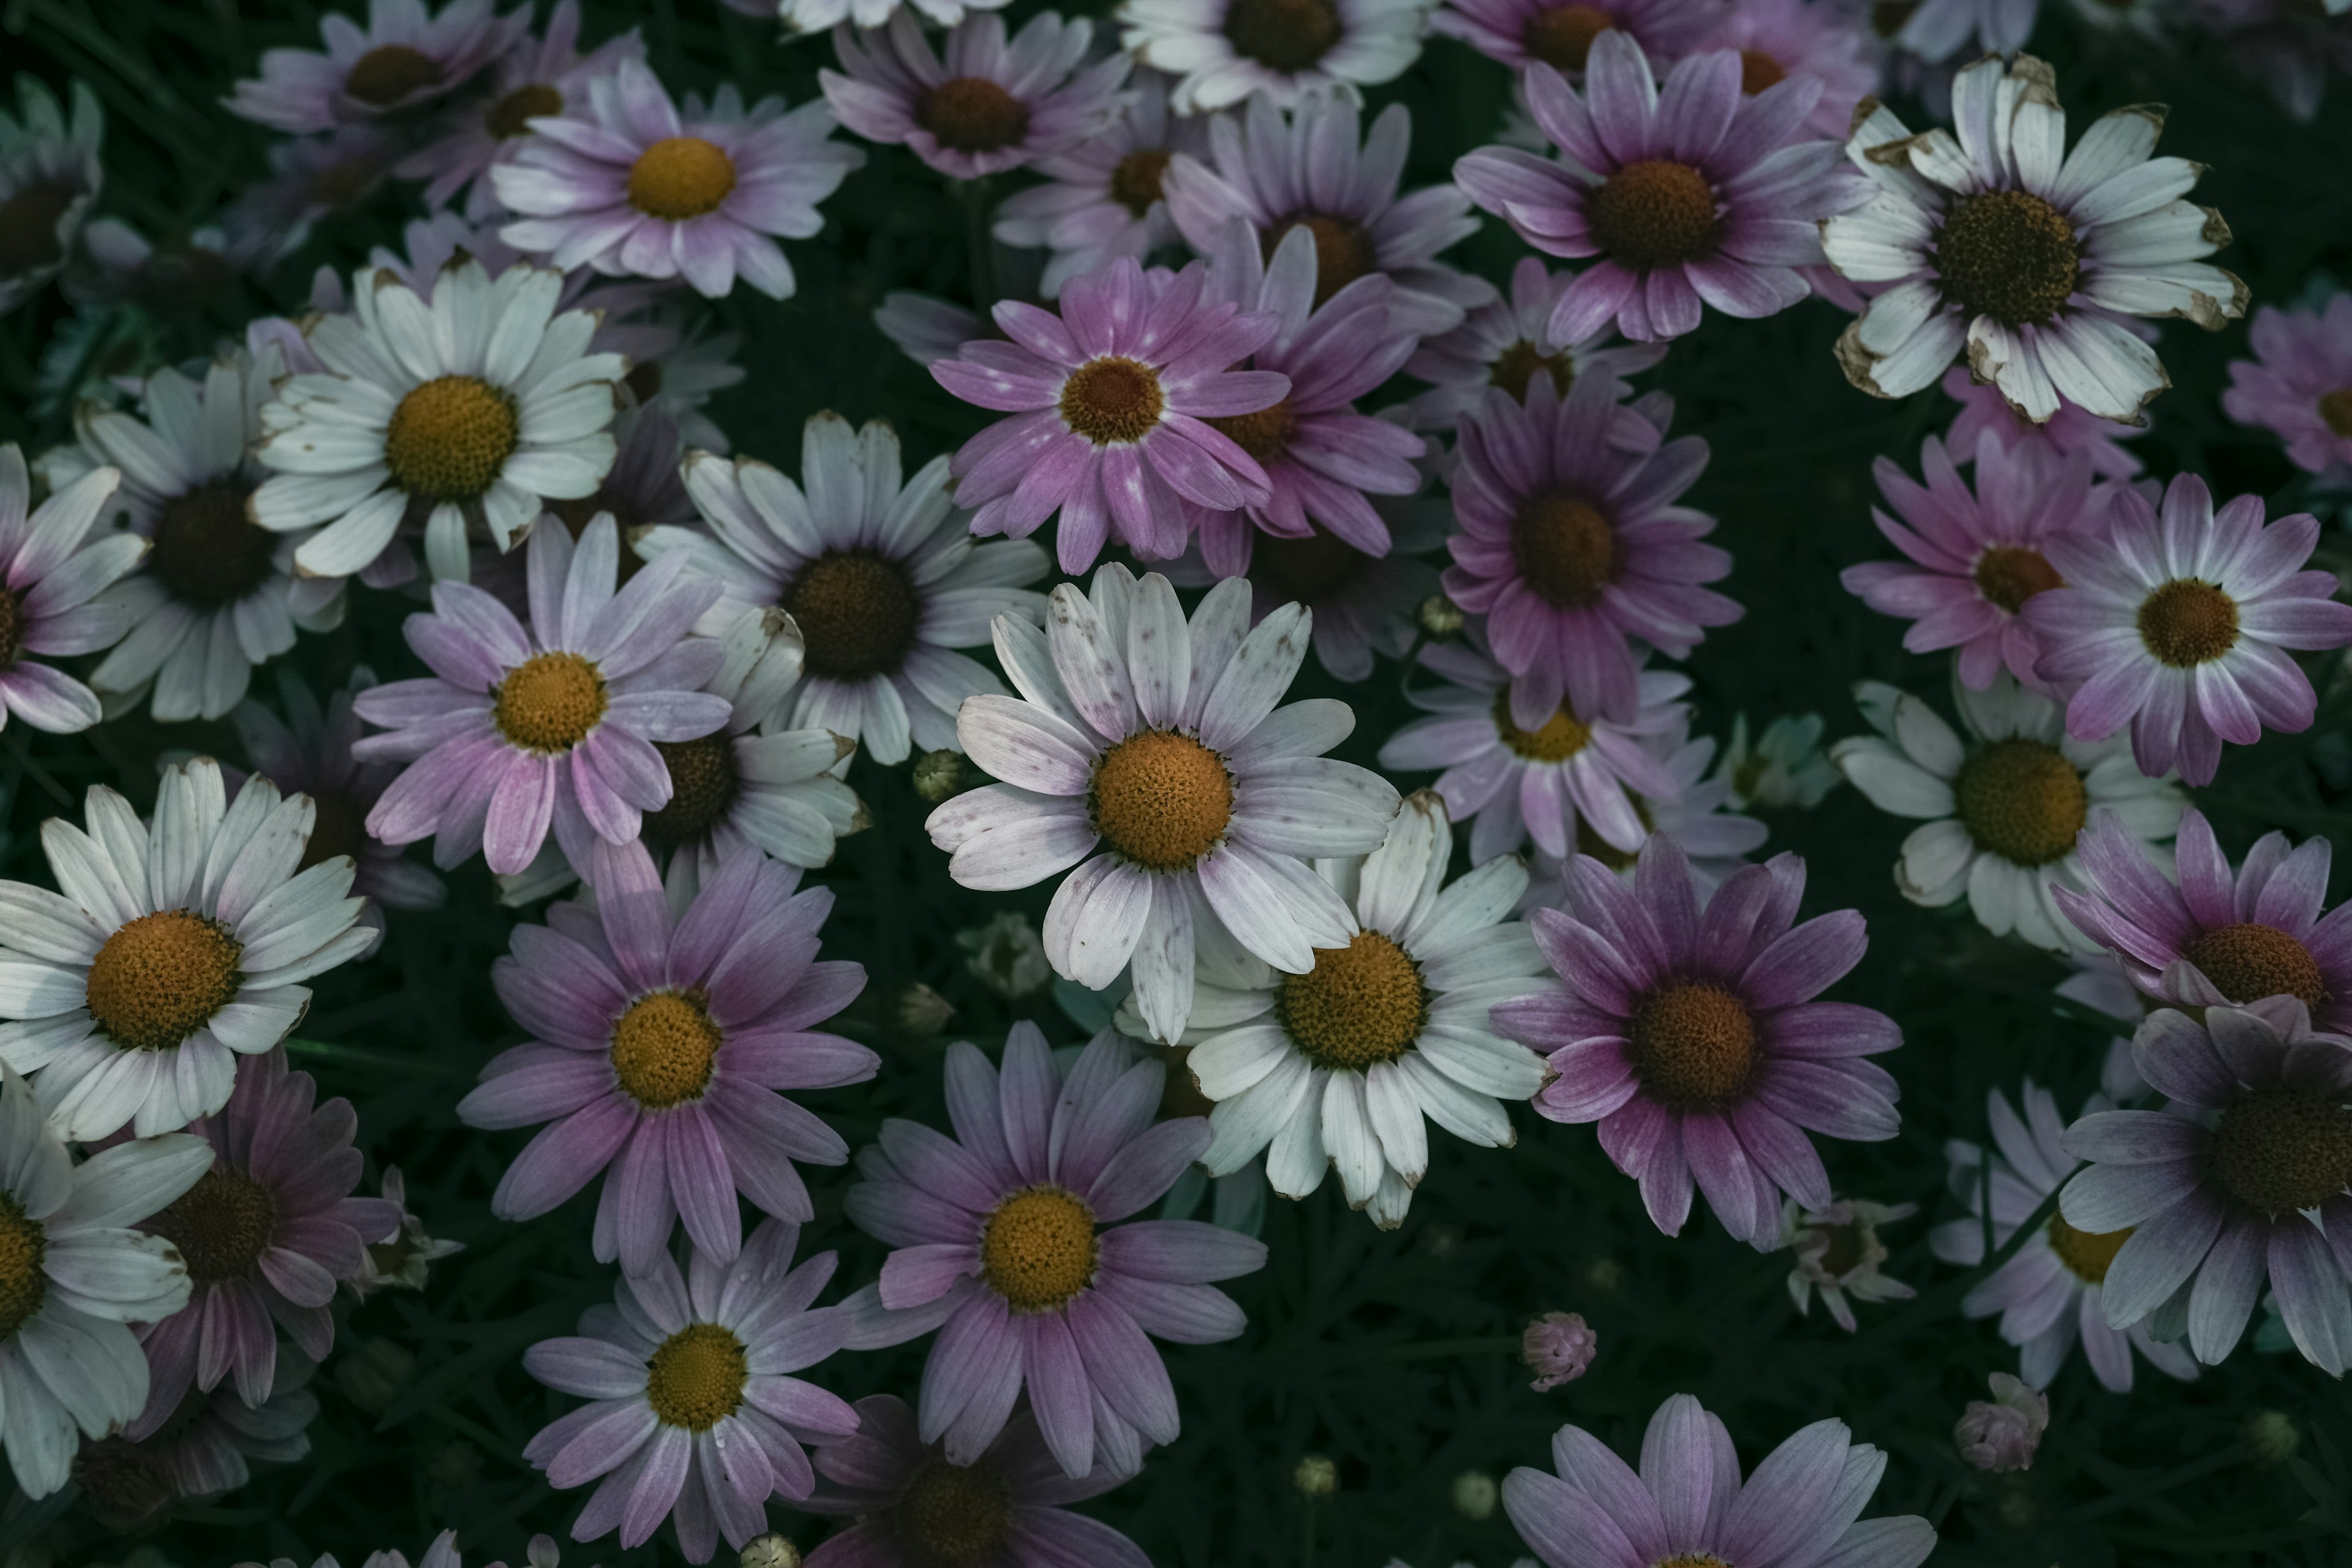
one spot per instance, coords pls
(1316, 1476)
(1475, 1494)
(2002, 1435)
(1557, 1347)
(939, 775)
(1440, 617)
(771, 1551)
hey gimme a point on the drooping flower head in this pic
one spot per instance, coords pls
(2298, 385)
(1521, 33)
(1784, 768)
(1509, 344)
(1105, 198)
(405, 57)
(1838, 1253)
(52, 575)
(405, 1260)
(1285, 51)
(50, 179)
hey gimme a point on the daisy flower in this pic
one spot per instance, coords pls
(52, 578)
(405, 1259)
(2069, 431)
(2183, 628)
(1341, 1065)
(49, 178)
(984, 104)
(661, 1042)
(517, 732)
(692, 1413)
(1105, 195)
(1316, 170)
(1936, 30)
(1989, 243)
(313, 178)
(1838, 1253)
(1322, 459)
(1557, 783)
(267, 1232)
(1007, 1241)
(2298, 385)
(2003, 805)
(628, 185)
(1507, 343)
(2290, 50)
(403, 58)
(536, 76)
(2049, 1293)
(1688, 1504)
(2237, 1181)
(1689, 1032)
(73, 1275)
(913, 1506)
(206, 1449)
(453, 412)
(172, 949)
(1785, 769)
(2218, 936)
(1522, 32)
(1777, 40)
(1717, 841)
(1285, 51)
(1679, 219)
(1572, 545)
(1157, 741)
(1362, 603)
(878, 570)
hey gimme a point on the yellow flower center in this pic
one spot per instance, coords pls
(160, 978)
(2022, 800)
(1654, 213)
(2009, 255)
(1516, 367)
(696, 1378)
(1135, 179)
(1265, 435)
(956, 1516)
(2280, 1148)
(511, 116)
(1562, 735)
(972, 114)
(1344, 249)
(1112, 399)
(450, 438)
(1692, 1560)
(2249, 961)
(680, 177)
(703, 783)
(663, 1048)
(2009, 574)
(1037, 1248)
(2088, 1253)
(207, 551)
(1283, 35)
(1694, 1045)
(391, 72)
(2186, 623)
(222, 1225)
(1566, 548)
(1562, 35)
(28, 227)
(2334, 408)
(858, 611)
(1361, 1004)
(550, 702)
(1759, 70)
(1162, 799)
(23, 1285)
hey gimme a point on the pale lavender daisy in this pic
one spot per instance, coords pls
(809, 17)
(313, 178)
(1824, 40)
(1285, 51)
(2298, 385)
(1697, 816)
(1983, 410)
(205, 1448)
(52, 577)
(50, 175)
(405, 57)
(1104, 197)
(1936, 30)
(1521, 33)
(1507, 343)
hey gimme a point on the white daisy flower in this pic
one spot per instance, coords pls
(1340, 1065)
(882, 577)
(49, 178)
(2003, 802)
(1158, 740)
(50, 571)
(171, 950)
(74, 1275)
(457, 412)
(1992, 239)
(1224, 51)
(1784, 769)
(214, 596)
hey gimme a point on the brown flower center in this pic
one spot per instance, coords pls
(1850, 1246)
(1112, 399)
(1265, 435)
(696, 1377)
(2088, 1253)
(972, 114)
(1759, 70)
(1361, 1004)
(2022, 800)
(385, 75)
(339, 827)
(2009, 255)
(28, 227)
(1308, 569)
(1562, 35)
(160, 978)
(680, 177)
(1135, 179)
(2247, 962)
(124, 1484)
(511, 116)
(1692, 1560)
(1344, 249)
(2335, 408)
(1566, 548)
(207, 551)
(1561, 737)
(663, 1048)
(1694, 1045)
(954, 1516)
(1162, 799)
(1515, 369)
(2185, 622)
(703, 783)
(450, 437)
(2009, 574)
(23, 1245)
(2280, 1148)
(12, 628)
(1654, 213)
(222, 1225)
(858, 611)
(550, 702)
(1037, 1248)
(1283, 35)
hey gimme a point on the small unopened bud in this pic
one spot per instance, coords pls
(923, 1012)
(2002, 1434)
(1316, 1476)
(939, 775)
(771, 1551)
(1440, 617)
(373, 1374)
(1557, 1347)
(2272, 1437)
(1475, 1494)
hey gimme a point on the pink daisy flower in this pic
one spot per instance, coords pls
(1105, 198)
(632, 188)
(1110, 399)
(984, 105)
(2219, 936)
(2181, 628)
(1712, 200)
(1976, 557)
(517, 731)
(693, 1415)
(51, 572)
(1507, 343)
(1690, 1033)
(2220, 1189)
(268, 1233)
(2299, 384)
(2070, 430)
(1007, 1242)
(1824, 39)
(914, 1507)
(1698, 817)
(1521, 33)
(660, 1046)
(406, 56)
(1571, 546)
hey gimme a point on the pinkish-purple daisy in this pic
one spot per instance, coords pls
(2070, 430)
(1104, 197)
(1712, 199)
(1571, 545)
(1521, 33)
(2181, 628)
(1008, 1242)
(2298, 385)
(2218, 936)
(2241, 1180)
(661, 1049)
(983, 105)
(405, 57)
(631, 186)
(1111, 400)
(1507, 343)
(519, 730)
(51, 572)
(914, 1507)
(693, 1415)
(1830, 42)
(1689, 1032)
(268, 1233)
(1976, 556)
